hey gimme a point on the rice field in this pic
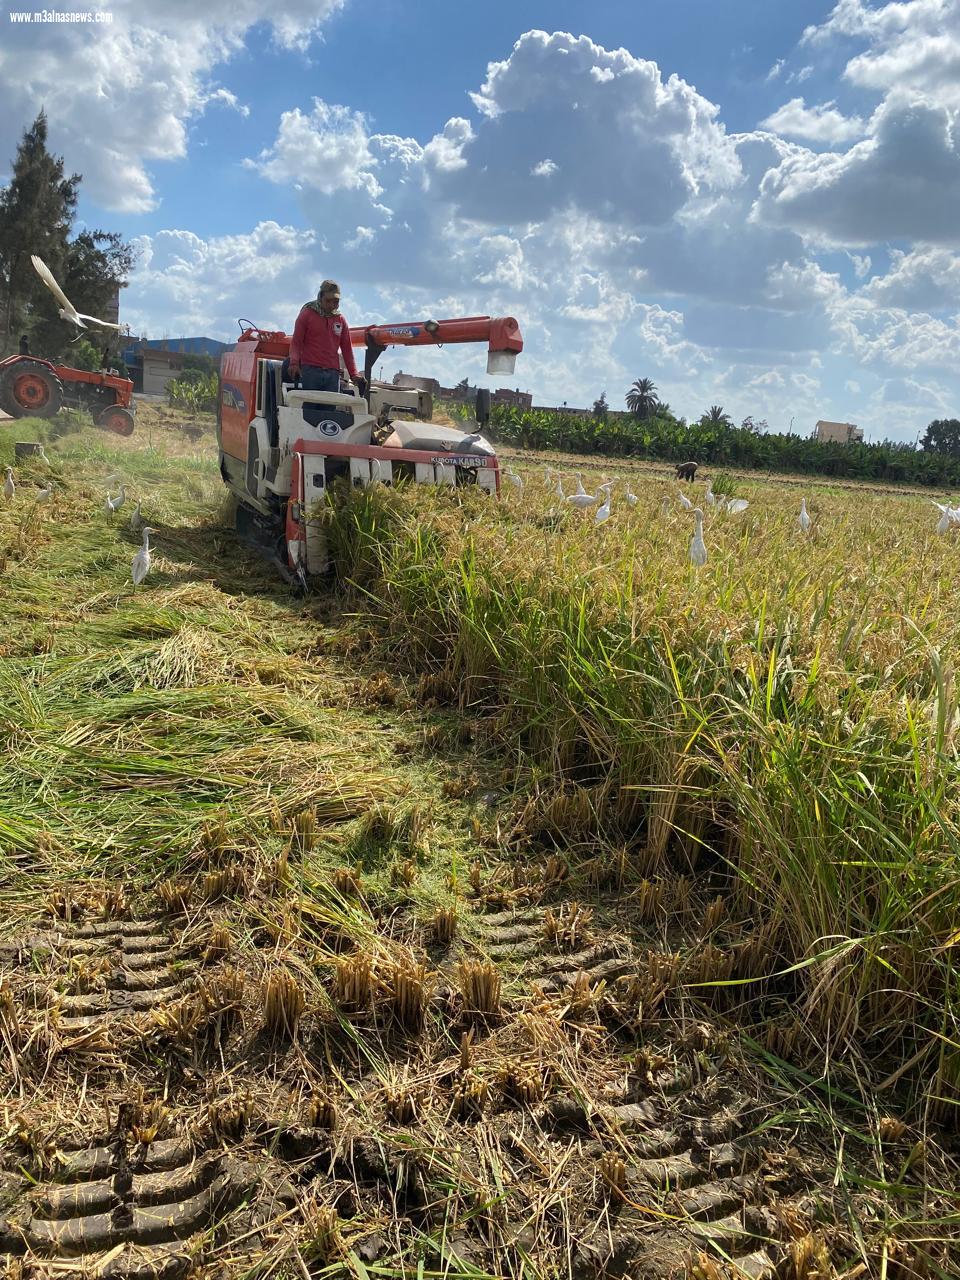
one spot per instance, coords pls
(536, 904)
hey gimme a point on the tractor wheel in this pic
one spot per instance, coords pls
(116, 418)
(30, 389)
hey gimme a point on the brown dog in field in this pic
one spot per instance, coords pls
(686, 470)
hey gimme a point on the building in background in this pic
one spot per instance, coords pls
(502, 395)
(153, 363)
(837, 432)
(410, 382)
(522, 399)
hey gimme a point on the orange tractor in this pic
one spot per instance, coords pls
(36, 388)
(282, 447)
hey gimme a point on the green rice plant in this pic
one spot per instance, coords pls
(786, 711)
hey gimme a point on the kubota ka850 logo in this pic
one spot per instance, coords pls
(328, 427)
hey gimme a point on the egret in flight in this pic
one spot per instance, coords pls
(68, 311)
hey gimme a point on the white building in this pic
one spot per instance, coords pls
(837, 432)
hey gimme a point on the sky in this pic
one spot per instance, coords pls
(754, 204)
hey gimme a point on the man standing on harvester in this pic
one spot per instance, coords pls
(319, 336)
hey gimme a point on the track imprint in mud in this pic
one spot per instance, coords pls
(683, 1154)
(109, 969)
(129, 1200)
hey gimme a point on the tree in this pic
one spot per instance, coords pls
(98, 263)
(205, 363)
(601, 408)
(942, 436)
(36, 213)
(84, 355)
(716, 417)
(642, 398)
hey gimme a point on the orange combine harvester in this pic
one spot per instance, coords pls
(281, 447)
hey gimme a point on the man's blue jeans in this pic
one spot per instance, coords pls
(313, 378)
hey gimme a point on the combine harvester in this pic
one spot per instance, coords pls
(281, 447)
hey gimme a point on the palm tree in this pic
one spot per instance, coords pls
(716, 417)
(642, 398)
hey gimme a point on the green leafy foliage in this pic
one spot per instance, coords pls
(195, 392)
(662, 436)
(942, 436)
(84, 355)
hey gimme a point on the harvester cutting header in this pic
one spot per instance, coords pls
(281, 445)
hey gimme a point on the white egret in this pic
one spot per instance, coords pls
(805, 521)
(581, 498)
(67, 310)
(136, 519)
(140, 565)
(710, 495)
(948, 516)
(9, 487)
(603, 513)
(559, 489)
(515, 480)
(44, 495)
(685, 502)
(112, 505)
(736, 505)
(698, 549)
(666, 506)
(630, 497)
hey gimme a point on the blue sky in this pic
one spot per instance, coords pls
(751, 203)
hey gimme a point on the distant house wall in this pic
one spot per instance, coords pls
(837, 432)
(522, 399)
(152, 363)
(159, 367)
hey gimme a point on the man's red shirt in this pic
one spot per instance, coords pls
(318, 339)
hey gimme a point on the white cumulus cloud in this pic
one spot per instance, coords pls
(120, 96)
(819, 124)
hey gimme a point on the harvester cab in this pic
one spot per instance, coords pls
(282, 447)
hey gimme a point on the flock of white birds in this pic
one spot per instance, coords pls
(552, 483)
(140, 565)
(583, 501)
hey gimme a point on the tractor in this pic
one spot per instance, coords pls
(281, 447)
(32, 387)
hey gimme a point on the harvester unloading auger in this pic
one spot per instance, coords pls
(281, 447)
